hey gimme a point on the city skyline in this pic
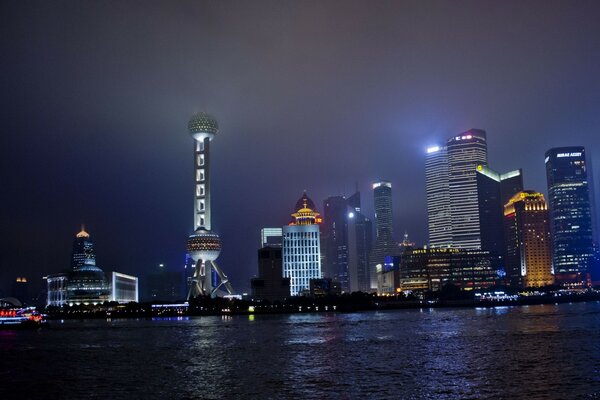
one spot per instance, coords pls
(115, 156)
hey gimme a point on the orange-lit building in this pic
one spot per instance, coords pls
(527, 234)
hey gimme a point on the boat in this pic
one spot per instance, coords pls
(14, 316)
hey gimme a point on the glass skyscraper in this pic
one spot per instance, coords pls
(571, 217)
(438, 197)
(384, 239)
(465, 152)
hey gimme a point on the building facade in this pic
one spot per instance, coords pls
(124, 288)
(271, 237)
(301, 247)
(571, 213)
(528, 254)
(384, 244)
(494, 190)
(431, 269)
(270, 284)
(439, 222)
(85, 283)
(465, 152)
(335, 240)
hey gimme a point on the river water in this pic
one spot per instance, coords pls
(533, 352)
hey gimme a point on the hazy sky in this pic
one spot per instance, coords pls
(316, 95)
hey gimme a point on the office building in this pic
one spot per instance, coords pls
(571, 213)
(439, 222)
(124, 288)
(494, 190)
(335, 239)
(431, 269)
(85, 283)
(388, 276)
(162, 285)
(270, 284)
(528, 254)
(465, 152)
(384, 240)
(271, 237)
(301, 247)
(360, 240)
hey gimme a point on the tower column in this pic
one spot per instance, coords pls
(202, 180)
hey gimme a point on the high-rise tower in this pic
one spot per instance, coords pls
(571, 217)
(204, 245)
(438, 197)
(494, 190)
(465, 152)
(527, 230)
(384, 239)
(301, 247)
(83, 250)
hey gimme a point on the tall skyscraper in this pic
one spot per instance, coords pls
(384, 239)
(360, 232)
(528, 251)
(571, 214)
(465, 152)
(84, 283)
(301, 247)
(494, 190)
(438, 197)
(335, 239)
(83, 250)
(204, 245)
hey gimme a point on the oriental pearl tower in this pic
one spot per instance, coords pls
(204, 245)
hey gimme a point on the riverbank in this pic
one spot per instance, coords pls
(345, 304)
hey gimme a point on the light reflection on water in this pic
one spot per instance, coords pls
(550, 351)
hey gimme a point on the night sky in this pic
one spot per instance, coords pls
(316, 95)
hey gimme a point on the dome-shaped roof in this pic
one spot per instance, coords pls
(203, 123)
(304, 202)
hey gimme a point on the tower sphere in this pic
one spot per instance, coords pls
(204, 245)
(203, 125)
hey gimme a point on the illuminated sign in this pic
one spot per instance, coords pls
(575, 154)
(433, 149)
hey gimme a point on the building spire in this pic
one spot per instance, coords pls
(83, 233)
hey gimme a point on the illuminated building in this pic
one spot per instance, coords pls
(494, 190)
(346, 235)
(84, 283)
(335, 240)
(124, 288)
(571, 218)
(270, 284)
(388, 276)
(360, 236)
(83, 250)
(528, 253)
(57, 289)
(301, 247)
(431, 269)
(271, 237)
(204, 245)
(384, 239)
(439, 223)
(465, 152)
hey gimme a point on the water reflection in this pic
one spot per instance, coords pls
(429, 353)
